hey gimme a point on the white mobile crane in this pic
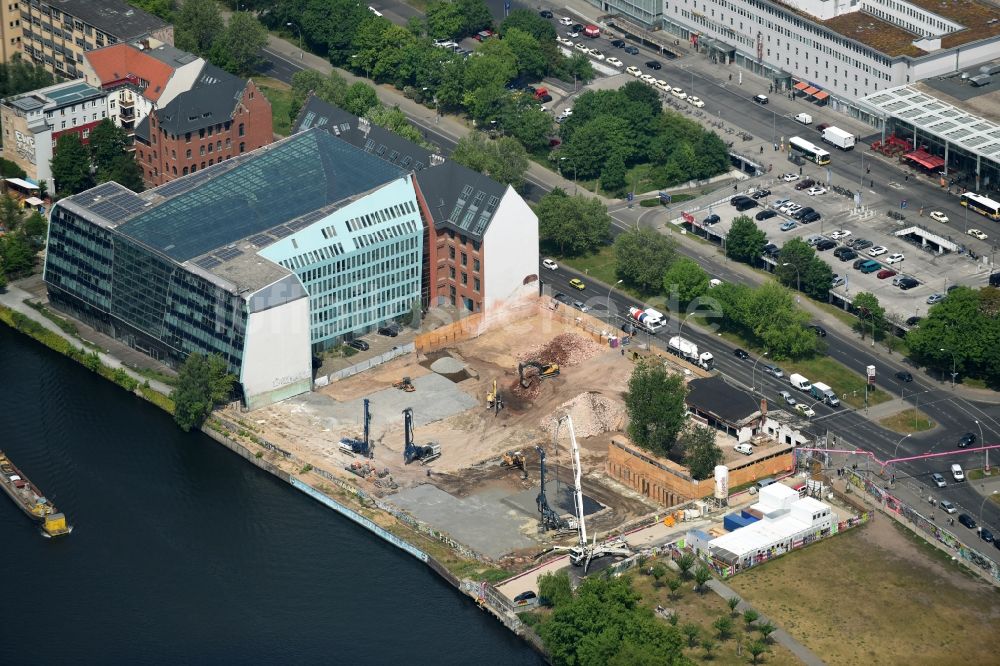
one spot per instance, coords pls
(582, 553)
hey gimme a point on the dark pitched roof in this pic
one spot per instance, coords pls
(210, 101)
(114, 17)
(460, 198)
(363, 134)
(712, 395)
(142, 130)
(248, 195)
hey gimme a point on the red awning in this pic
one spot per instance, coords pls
(822, 95)
(925, 159)
(811, 91)
(801, 85)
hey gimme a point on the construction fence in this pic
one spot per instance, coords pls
(367, 364)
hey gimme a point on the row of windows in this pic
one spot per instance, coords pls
(371, 262)
(465, 278)
(327, 252)
(348, 309)
(377, 217)
(906, 9)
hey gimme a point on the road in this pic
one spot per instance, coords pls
(954, 414)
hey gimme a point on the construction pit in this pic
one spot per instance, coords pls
(466, 492)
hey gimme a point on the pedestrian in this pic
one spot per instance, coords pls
(730, 77)
(871, 182)
(800, 171)
(775, 147)
(623, 351)
(868, 170)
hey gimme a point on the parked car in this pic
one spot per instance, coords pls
(765, 215)
(760, 99)
(877, 251)
(390, 331)
(711, 219)
(632, 50)
(938, 480)
(779, 203)
(811, 217)
(360, 345)
(818, 330)
(913, 321)
(908, 283)
(549, 264)
(774, 371)
(789, 177)
(861, 244)
(947, 506)
(565, 20)
(968, 439)
(986, 535)
(935, 298)
(525, 596)
(938, 216)
(564, 41)
(744, 448)
(579, 305)
(976, 233)
(596, 54)
(957, 473)
(695, 101)
(904, 376)
(967, 520)
(816, 189)
(760, 194)
(615, 62)
(577, 283)
(840, 233)
(825, 244)
(885, 273)
(894, 258)
(562, 298)
(802, 212)
(846, 255)
(545, 13)
(788, 226)
(633, 70)
(618, 43)
(805, 184)
(837, 281)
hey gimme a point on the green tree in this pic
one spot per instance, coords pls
(701, 453)
(327, 26)
(589, 144)
(684, 563)
(708, 645)
(444, 20)
(503, 160)
(18, 76)
(17, 257)
(733, 602)
(655, 405)
(360, 98)
(9, 169)
(613, 174)
(198, 26)
(528, 124)
(817, 278)
(871, 314)
(11, 214)
(529, 22)
(124, 171)
(202, 382)
(107, 143)
(745, 241)
(756, 648)
(475, 16)
(687, 278)
(701, 576)
(529, 55)
(674, 585)
(237, 49)
(162, 8)
(723, 626)
(331, 88)
(35, 228)
(554, 589)
(766, 629)
(793, 260)
(393, 119)
(71, 165)
(573, 225)
(749, 617)
(691, 632)
(962, 331)
(642, 256)
(659, 571)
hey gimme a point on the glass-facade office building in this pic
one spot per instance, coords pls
(261, 259)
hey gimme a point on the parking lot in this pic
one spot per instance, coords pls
(842, 224)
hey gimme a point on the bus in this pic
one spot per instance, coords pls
(982, 205)
(809, 151)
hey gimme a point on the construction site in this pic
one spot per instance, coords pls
(456, 436)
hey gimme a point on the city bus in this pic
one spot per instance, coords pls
(982, 205)
(809, 151)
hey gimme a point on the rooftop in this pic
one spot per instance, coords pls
(882, 36)
(59, 95)
(121, 62)
(712, 395)
(981, 19)
(114, 17)
(210, 101)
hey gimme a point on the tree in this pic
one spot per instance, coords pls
(198, 26)
(817, 278)
(723, 625)
(691, 632)
(701, 453)
(332, 89)
(959, 332)
(528, 124)
(237, 49)
(360, 98)
(475, 16)
(11, 214)
(393, 119)
(9, 169)
(528, 53)
(503, 160)
(745, 241)
(529, 22)
(794, 258)
(17, 257)
(756, 648)
(444, 20)
(701, 576)
(202, 383)
(124, 171)
(34, 229)
(107, 143)
(655, 405)
(870, 313)
(766, 629)
(641, 257)
(708, 645)
(686, 278)
(749, 617)
(733, 602)
(71, 165)
(18, 76)
(554, 589)
(659, 571)
(613, 174)
(684, 563)
(575, 225)
(674, 585)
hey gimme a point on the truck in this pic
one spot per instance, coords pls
(800, 382)
(648, 320)
(689, 351)
(804, 118)
(839, 138)
(821, 391)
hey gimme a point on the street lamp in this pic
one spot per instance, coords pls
(897, 449)
(573, 163)
(986, 468)
(366, 66)
(609, 299)
(753, 377)
(798, 280)
(299, 30)
(983, 503)
(953, 373)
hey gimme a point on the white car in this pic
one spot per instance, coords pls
(572, 33)
(678, 93)
(580, 46)
(947, 506)
(789, 177)
(564, 41)
(939, 216)
(877, 251)
(840, 233)
(615, 62)
(813, 191)
(597, 55)
(938, 480)
(957, 473)
(549, 264)
(694, 101)
(634, 71)
(565, 20)
(805, 410)
(894, 258)
(663, 85)
(976, 233)
(646, 78)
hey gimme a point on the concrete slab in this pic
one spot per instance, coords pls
(559, 496)
(479, 521)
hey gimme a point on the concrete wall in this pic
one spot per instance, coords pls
(277, 358)
(510, 252)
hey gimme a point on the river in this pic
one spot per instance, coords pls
(183, 552)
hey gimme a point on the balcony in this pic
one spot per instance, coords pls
(126, 101)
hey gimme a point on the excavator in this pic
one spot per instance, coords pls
(494, 400)
(405, 384)
(545, 370)
(412, 451)
(514, 459)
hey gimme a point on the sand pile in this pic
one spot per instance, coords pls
(592, 414)
(447, 365)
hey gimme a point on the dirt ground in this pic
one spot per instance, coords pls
(877, 595)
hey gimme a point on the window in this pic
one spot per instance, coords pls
(475, 284)
(465, 259)
(451, 253)
(451, 272)
(188, 154)
(242, 146)
(475, 265)
(242, 130)
(465, 278)
(201, 150)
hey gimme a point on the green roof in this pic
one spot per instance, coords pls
(220, 205)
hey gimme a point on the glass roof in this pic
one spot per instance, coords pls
(285, 180)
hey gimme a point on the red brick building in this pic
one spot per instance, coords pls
(220, 116)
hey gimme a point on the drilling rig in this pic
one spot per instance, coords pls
(411, 451)
(363, 447)
(549, 519)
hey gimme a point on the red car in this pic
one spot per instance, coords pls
(885, 273)
(592, 31)
(482, 35)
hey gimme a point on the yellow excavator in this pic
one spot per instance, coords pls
(494, 400)
(514, 459)
(405, 384)
(544, 370)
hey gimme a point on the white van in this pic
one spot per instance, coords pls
(957, 473)
(804, 118)
(800, 382)
(744, 448)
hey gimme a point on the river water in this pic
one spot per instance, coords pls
(182, 552)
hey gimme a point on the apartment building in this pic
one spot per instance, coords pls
(56, 33)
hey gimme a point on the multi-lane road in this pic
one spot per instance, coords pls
(954, 414)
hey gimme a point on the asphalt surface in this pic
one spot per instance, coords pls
(954, 414)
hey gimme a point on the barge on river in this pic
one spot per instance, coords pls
(30, 499)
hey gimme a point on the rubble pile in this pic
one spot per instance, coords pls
(592, 414)
(565, 349)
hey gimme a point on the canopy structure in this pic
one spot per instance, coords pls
(21, 183)
(821, 95)
(801, 85)
(925, 159)
(811, 91)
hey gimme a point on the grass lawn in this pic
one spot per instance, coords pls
(279, 94)
(844, 381)
(877, 595)
(600, 266)
(974, 383)
(703, 609)
(908, 420)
